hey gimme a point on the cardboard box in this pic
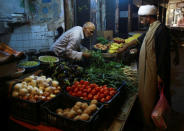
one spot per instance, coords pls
(107, 34)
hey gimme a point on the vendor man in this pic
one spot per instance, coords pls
(69, 43)
(154, 63)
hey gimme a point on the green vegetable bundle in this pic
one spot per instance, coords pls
(102, 40)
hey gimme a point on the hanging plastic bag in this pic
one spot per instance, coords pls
(160, 114)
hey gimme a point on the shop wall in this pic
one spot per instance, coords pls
(44, 17)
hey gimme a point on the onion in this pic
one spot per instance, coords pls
(17, 86)
(15, 94)
(55, 83)
(23, 91)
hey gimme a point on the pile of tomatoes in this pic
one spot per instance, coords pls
(88, 91)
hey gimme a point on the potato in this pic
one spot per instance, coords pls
(60, 113)
(92, 107)
(76, 107)
(77, 117)
(59, 110)
(65, 114)
(84, 117)
(71, 114)
(78, 103)
(67, 110)
(84, 106)
(94, 102)
(87, 111)
(79, 111)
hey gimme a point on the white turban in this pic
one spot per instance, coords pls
(147, 10)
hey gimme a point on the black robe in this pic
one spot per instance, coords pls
(162, 50)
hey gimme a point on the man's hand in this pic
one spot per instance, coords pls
(120, 50)
(86, 55)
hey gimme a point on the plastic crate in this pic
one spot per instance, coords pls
(25, 110)
(63, 101)
(123, 85)
(106, 104)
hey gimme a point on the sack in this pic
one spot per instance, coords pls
(160, 114)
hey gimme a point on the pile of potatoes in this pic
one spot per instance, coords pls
(80, 111)
(35, 88)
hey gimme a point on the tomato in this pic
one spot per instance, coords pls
(112, 93)
(70, 92)
(111, 89)
(83, 86)
(105, 87)
(97, 88)
(81, 82)
(95, 97)
(89, 90)
(90, 96)
(108, 98)
(86, 83)
(102, 100)
(73, 87)
(76, 83)
(101, 90)
(84, 94)
(84, 90)
(79, 93)
(93, 91)
(73, 94)
(102, 95)
(76, 89)
(68, 88)
(106, 92)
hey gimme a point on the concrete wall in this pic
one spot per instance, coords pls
(39, 33)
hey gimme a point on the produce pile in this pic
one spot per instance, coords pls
(26, 64)
(65, 72)
(109, 73)
(114, 47)
(101, 46)
(87, 91)
(118, 40)
(134, 37)
(102, 40)
(131, 76)
(36, 88)
(80, 111)
(48, 59)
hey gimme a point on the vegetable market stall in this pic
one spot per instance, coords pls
(101, 73)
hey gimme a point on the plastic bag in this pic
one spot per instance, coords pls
(160, 114)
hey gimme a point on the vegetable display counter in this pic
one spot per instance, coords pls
(115, 122)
